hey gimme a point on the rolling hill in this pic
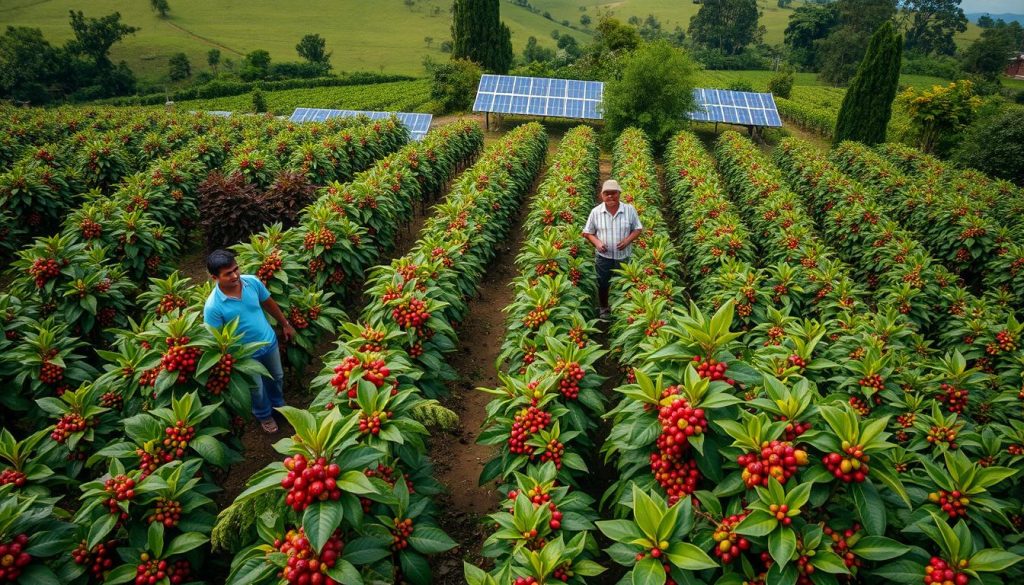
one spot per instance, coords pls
(364, 35)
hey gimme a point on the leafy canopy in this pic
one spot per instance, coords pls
(653, 93)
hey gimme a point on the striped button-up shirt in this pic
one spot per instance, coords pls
(612, 229)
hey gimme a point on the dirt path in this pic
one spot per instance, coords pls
(458, 460)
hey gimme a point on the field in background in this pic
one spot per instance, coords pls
(400, 96)
(364, 35)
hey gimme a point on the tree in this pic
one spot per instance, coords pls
(995, 145)
(781, 84)
(255, 65)
(313, 48)
(940, 112)
(259, 103)
(807, 25)
(534, 52)
(929, 25)
(987, 55)
(726, 25)
(479, 35)
(585, 20)
(179, 67)
(653, 93)
(213, 59)
(613, 36)
(842, 50)
(985, 21)
(867, 105)
(453, 83)
(95, 36)
(161, 7)
(429, 41)
(28, 64)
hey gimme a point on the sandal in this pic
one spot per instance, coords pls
(269, 425)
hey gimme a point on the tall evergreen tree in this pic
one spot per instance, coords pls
(867, 105)
(479, 35)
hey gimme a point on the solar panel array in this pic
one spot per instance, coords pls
(418, 124)
(735, 107)
(539, 96)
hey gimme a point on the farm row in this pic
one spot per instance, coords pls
(153, 427)
(840, 400)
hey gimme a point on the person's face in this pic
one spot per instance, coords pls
(228, 277)
(610, 197)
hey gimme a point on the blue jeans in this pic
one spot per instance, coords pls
(268, 392)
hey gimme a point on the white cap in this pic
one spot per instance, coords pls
(611, 185)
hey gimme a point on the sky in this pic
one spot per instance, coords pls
(993, 6)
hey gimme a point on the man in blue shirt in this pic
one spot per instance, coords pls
(611, 228)
(245, 297)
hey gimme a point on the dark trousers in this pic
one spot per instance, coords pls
(605, 266)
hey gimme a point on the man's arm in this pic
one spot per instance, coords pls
(271, 306)
(596, 242)
(590, 233)
(629, 239)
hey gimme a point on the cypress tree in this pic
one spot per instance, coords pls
(479, 35)
(867, 105)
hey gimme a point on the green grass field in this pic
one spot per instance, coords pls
(364, 35)
(400, 96)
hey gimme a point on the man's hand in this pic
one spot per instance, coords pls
(622, 245)
(287, 332)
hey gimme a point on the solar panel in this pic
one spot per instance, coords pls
(735, 107)
(539, 96)
(418, 124)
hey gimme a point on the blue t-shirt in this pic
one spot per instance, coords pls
(252, 323)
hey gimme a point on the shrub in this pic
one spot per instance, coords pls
(453, 83)
(995, 145)
(654, 93)
(741, 85)
(781, 84)
(259, 103)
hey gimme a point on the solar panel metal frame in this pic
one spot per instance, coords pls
(417, 123)
(736, 107)
(539, 96)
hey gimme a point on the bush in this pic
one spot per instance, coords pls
(259, 103)
(942, 66)
(453, 83)
(741, 85)
(995, 145)
(232, 208)
(654, 93)
(781, 84)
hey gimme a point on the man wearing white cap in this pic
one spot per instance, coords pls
(611, 228)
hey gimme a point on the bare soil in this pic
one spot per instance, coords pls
(458, 460)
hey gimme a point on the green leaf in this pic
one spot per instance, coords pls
(829, 562)
(619, 530)
(155, 539)
(993, 559)
(689, 557)
(904, 572)
(782, 545)
(648, 572)
(415, 567)
(430, 540)
(355, 482)
(758, 523)
(879, 548)
(185, 542)
(647, 513)
(320, 521)
(869, 506)
(210, 449)
(121, 574)
(100, 529)
(39, 574)
(345, 572)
